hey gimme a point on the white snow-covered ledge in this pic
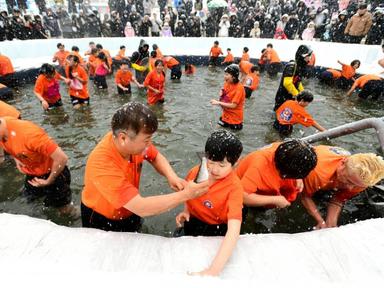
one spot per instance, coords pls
(349, 254)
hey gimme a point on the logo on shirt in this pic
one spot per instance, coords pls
(286, 114)
(339, 151)
(208, 204)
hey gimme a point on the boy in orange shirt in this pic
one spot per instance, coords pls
(370, 85)
(61, 56)
(245, 56)
(251, 81)
(123, 79)
(174, 65)
(219, 211)
(345, 175)
(292, 112)
(229, 59)
(7, 72)
(273, 61)
(232, 99)
(272, 176)
(110, 199)
(121, 55)
(40, 159)
(344, 78)
(214, 54)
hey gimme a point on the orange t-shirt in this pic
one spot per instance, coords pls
(245, 57)
(229, 58)
(361, 81)
(121, 55)
(82, 93)
(223, 201)
(110, 180)
(61, 56)
(29, 144)
(347, 71)
(159, 55)
(92, 64)
(272, 56)
(152, 63)
(258, 174)
(7, 110)
(263, 57)
(123, 77)
(252, 81)
(170, 62)
(233, 93)
(48, 89)
(329, 158)
(290, 113)
(335, 73)
(245, 66)
(6, 66)
(157, 81)
(215, 51)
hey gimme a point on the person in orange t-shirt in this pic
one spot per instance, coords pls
(272, 61)
(61, 56)
(232, 99)
(123, 79)
(155, 82)
(174, 65)
(110, 199)
(40, 159)
(214, 54)
(106, 53)
(229, 59)
(121, 55)
(329, 76)
(245, 56)
(92, 63)
(158, 51)
(263, 60)
(219, 211)
(292, 112)
(7, 110)
(348, 73)
(271, 177)
(344, 174)
(370, 85)
(245, 69)
(47, 89)
(5, 92)
(189, 69)
(7, 72)
(251, 81)
(78, 84)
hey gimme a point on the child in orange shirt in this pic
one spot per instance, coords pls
(92, 63)
(245, 56)
(155, 82)
(369, 84)
(123, 79)
(232, 99)
(101, 71)
(47, 89)
(214, 54)
(292, 112)
(251, 81)
(348, 73)
(229, 59)
(78, 81)
(219, 211)
(189, 69)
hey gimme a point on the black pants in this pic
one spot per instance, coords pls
(122, 92)
(326, 77)
(248, 92)
(214, 61)
(100, 82)
(231, 126)
(273, 69)
(196, 227)
(9, 80)
(57, 194)
(283, 129)
(91, 219)
(355, 39)
(372, 87)
(344, 83)
(6, 93)
(176, 72)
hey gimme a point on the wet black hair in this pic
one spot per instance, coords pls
(158, 61)
(135, 117)
(154, 46)
(245, 49)
(234, 70)
(99, 46)
(47, 69)
(77, 60)
(228, 49)
(75, 48)
(153, 54)
(295, 159)
(355, 62)
(305, 95)
(255, 68)
(91, 43)
(263, 50)
(122, 47)
(223, 144)
(216, 42)
(58, 45)
(269, 45)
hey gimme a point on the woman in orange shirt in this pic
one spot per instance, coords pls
(78, 80)
(47, 88)
(123, 79)
(232, 99)
(155, 82)
(348, 73)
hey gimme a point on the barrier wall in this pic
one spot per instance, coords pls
(32, 53)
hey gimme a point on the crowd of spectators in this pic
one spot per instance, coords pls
(335, 20)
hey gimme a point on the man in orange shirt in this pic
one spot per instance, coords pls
(40, 159)
(158, 51)
(174, 65)
(245, 56)
(219, 211)
(60, 57)
(370, 85)
(271, 177)
(345, 174)
(120, 56)
(229, 59)
(110, 198)
(123, 79)
(232, 99)
(251, 81)
(273, 61)
(214, 54)
(292, 112)
(348, 73)
(7, 72)
(7, 110)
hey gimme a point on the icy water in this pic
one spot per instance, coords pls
(185, 121)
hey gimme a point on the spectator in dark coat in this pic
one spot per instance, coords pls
(376, 33)
(292, 26)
